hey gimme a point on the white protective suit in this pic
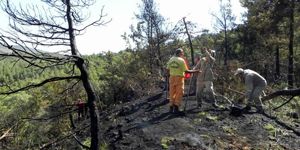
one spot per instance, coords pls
(255, 84)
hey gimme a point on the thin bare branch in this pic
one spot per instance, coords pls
(60, 139)
(6, 133)
(283, 103)
(79, 142)
(98, 22)
(69, 88)
(39, 84)
(51, 117)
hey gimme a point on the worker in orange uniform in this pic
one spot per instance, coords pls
(176, 68)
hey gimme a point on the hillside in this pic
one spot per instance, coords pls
(4, 50)
(146, 124)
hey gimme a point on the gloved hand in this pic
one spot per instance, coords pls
(207, 53)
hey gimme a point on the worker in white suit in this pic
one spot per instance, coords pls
(255, 84)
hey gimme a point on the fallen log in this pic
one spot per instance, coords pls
(289, 92)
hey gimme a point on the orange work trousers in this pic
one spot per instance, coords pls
(176, 85)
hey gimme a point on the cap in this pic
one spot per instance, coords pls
(178, 51)
(238, 71)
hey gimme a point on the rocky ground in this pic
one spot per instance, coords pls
(146, 124)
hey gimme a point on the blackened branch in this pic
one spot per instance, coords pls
(39, 84)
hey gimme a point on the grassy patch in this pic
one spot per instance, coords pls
(165, 142)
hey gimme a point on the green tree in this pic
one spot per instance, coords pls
(225, 22)
(270, 29)
(150, 34)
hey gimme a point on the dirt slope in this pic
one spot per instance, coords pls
(145, 124)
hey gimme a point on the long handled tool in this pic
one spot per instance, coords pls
(167, 86)
(188, 94)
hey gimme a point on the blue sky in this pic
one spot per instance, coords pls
(108, 37)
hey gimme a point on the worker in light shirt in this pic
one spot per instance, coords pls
(255, 84)
(204, 85)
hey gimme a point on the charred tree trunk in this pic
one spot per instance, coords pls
(291, 44)
(243, 37)
(291, 92)
(92, 106)
(190, 42)
(86, 83)
(277, 64)
(159, 57)
(226, 47)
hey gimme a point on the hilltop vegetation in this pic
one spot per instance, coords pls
(43, 114)
(39, 90)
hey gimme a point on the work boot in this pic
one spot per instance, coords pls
(177, 111)
(259, 109)
(171, 109)
(247, 108)
(199, 103)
